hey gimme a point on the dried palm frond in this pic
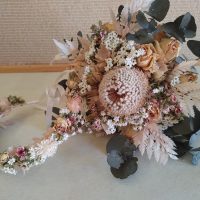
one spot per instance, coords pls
(187, 90)
(188, 94)
(182, 68)
(152, 140)
(135, 5)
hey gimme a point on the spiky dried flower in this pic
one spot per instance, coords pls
(123, 91)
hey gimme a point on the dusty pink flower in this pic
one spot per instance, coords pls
(74, 104)
(155, 113)
(97, 125)
(173, 99)
(178, 110)
(166, 110)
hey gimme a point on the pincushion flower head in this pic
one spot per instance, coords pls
(123, 91)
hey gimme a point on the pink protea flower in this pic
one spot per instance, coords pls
(74, 103)
(21, 152)
(123, 91)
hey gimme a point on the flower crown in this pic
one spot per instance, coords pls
(127, 80)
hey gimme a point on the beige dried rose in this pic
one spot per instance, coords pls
(109, 27)
(148, 62)
(73, 80)
(170, 48)
(159, 74)
(4, 157)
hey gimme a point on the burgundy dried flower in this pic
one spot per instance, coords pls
(21, 152)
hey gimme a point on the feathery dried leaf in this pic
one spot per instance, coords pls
(130, 9)
(137, 5)
(188, 87)
(188, 95)
(183, 67)
(65, 49)
(153, 141)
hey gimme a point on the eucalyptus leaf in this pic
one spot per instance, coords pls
(142, 20)
(56, 110)
(115, 159)
(80, 34)
(172, 29)
(149, 26)
(180, 59)
(120, 143)
(182, 148)
(188, 25)
(128, 168)
(182, 132)
(196, 149)
(117, 142)
(194, 46)
(120, 8)
(63, 83)
(159, 9)
(140, 37)
(183, 27)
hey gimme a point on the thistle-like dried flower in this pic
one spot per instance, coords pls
(123, 91)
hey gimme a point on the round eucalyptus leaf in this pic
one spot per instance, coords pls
(194, 46)
(115, 159)
(159, 9)
(128, 168)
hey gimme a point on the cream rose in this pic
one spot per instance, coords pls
(170, 48)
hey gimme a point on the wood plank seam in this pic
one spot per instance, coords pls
(33, 68)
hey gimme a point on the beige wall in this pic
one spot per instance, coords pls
(27, 27)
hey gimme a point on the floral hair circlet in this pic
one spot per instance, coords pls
(127, 80)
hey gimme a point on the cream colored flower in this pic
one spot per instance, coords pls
(4, 157)
(170, 48)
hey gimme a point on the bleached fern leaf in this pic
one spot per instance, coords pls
(135, 5)
(65, 49)
(185, 66)
(188, 95)
(154, 142)
(188, 87)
